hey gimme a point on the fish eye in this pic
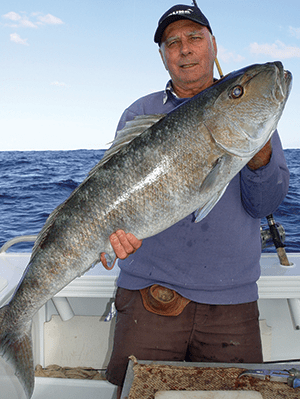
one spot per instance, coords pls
(237, 92)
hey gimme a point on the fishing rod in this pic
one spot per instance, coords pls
(216, 59)
(219, 68)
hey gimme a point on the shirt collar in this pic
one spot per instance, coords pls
(169, 90)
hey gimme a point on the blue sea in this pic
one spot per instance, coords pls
(33, 183)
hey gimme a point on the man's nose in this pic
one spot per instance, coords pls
(185, 48)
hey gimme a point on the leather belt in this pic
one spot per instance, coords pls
(163, 301)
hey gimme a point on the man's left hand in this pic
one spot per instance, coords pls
(262, 158)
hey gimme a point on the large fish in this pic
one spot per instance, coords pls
(152, 177)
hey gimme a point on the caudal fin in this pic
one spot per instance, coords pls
(16, 350)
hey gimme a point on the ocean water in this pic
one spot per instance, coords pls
(34, 183)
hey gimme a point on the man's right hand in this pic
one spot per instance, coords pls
(124, 244)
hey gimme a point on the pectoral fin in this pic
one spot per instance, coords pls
(208, 184)
(200, 213)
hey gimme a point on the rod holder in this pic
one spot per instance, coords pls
(294, 306)
(63, 308)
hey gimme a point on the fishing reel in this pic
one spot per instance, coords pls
(276, 234)
(267, 237)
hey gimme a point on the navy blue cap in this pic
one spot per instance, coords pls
(176, 13)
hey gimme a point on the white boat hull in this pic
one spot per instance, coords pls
(86, 339)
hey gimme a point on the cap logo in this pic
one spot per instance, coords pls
(180, 12)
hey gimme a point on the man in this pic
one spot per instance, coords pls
(190, 293)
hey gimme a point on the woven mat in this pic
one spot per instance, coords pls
(148, 379)
(55, 371)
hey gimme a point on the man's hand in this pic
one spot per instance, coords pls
(124, 244)
(262, 157)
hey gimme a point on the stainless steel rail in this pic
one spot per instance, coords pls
(16, 240)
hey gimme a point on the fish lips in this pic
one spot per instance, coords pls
(284, 83)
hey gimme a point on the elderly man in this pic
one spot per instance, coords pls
(190, 293)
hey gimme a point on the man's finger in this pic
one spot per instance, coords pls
(124, 244)
(129, 242)
(118, 246)
(135, 242)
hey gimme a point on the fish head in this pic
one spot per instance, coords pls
(246, 107)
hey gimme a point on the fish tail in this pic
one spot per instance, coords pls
(16, 350)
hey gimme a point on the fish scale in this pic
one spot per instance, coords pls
(152, 177)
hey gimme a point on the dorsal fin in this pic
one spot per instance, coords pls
(138, 125)
(131, 130)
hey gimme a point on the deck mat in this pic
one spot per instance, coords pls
(150, 378)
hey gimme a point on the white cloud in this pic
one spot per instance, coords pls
(294, 31)
(59, 84)
(276, 50)
(33, 21)
(50, 19)
(14, 37)
(25, 23)
(13, 16)
(18, 20)
(228, 56)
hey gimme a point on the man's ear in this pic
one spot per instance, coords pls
(163, 58)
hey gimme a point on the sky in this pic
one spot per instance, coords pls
(68, 69)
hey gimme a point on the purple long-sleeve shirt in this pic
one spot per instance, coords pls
(215, 261)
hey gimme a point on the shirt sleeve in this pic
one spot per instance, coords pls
(264, 189)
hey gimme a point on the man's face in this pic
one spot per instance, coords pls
(188, 52)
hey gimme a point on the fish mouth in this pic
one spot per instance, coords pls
(283, 80)
(288, 81)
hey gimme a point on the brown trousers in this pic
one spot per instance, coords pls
(201, 333)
